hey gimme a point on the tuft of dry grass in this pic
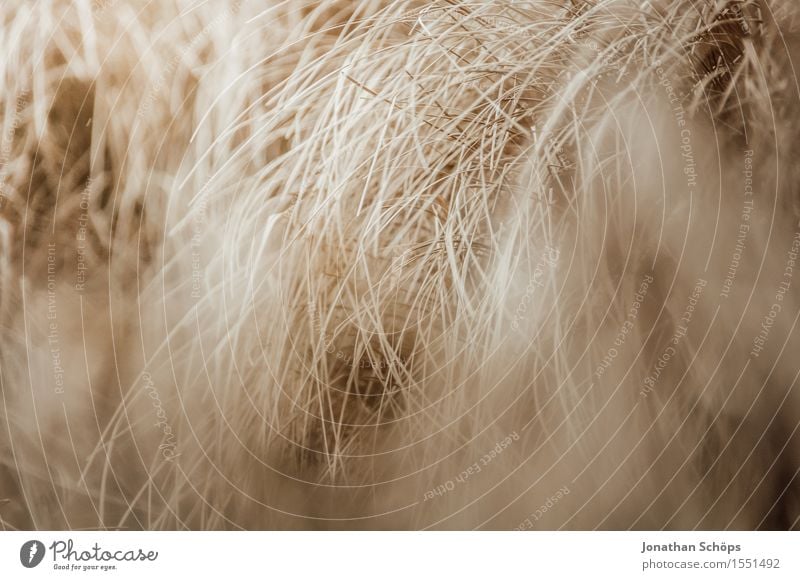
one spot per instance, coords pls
(297, 264)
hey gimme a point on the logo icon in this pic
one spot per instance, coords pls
(31, 553)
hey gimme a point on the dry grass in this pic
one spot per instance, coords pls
(301, 263)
